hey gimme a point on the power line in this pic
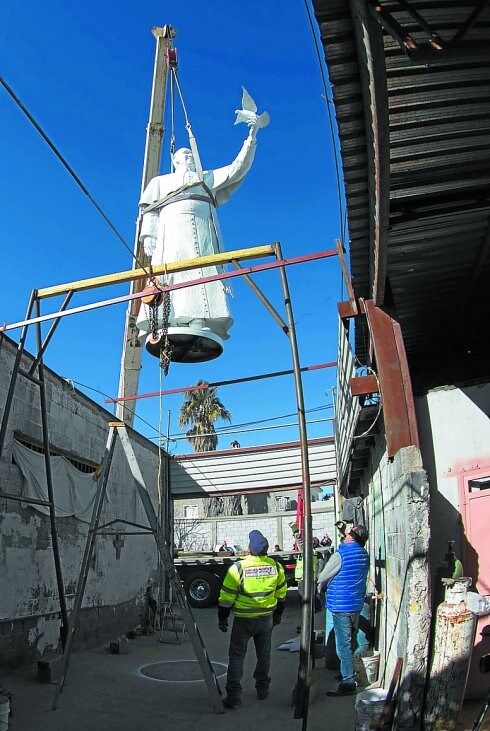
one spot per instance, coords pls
(70, 170)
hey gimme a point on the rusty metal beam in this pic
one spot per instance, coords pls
(394, 380)
(364, 385)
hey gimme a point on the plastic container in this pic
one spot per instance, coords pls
(366, 666)
(369, 706)
(4, 712)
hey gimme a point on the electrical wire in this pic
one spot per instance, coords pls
(70, 170)
(179, 437)
(332, 133)
(96, 390)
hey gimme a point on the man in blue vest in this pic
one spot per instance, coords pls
(344, 578)
(255, 589)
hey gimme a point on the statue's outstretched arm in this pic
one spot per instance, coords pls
(226, 179)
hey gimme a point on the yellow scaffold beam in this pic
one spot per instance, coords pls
(170, 268)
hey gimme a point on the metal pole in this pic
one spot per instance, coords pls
(15, 372)
(87, 556)
(301, 702)
(50, 334)
(202, 656)
(131, 355)
(263, 298)
(49, 482)
(165, 518)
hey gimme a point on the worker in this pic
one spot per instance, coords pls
(344, 578)
(183, 225)
(255, 589)
(298, 569)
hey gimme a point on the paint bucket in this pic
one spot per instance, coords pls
(366, 666)
(4, 712)
(369, 706)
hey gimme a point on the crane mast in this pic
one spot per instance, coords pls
(132, 349)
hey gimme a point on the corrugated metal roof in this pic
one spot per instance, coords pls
(252, 469)
(438, 188)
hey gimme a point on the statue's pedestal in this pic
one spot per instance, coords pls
(189, 345)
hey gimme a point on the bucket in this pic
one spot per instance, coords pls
(369, 706)
(4, 713)
(366, 666)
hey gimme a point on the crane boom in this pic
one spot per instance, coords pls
(132, 350)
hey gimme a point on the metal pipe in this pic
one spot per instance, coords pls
(23, 499)
(169, 288)
(15, 371)
(49, 482)
(301, 704)
(262, 298)
(87, 555)
(204, 386)
(50, 334)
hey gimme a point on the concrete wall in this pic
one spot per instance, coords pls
(203, 534)
(29, 609)
(455, 436)
(397, 505)
(455, 430)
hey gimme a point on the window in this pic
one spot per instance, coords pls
(190, 511)
(483, 483)
(282, 503)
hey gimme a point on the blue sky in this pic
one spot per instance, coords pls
(84, 71)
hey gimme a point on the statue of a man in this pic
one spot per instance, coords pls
(182, 224)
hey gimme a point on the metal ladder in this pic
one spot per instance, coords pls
(202, 657)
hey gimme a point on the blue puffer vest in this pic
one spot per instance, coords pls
(347, 589)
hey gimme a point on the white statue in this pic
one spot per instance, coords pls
(182, 224)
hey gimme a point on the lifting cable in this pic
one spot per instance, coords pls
(70, 170)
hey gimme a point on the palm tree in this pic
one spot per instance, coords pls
(201, 409)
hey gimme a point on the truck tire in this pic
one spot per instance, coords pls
(202, 589)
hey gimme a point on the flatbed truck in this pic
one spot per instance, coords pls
(202, 573)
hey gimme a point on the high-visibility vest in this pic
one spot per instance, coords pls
(298, 569)
(253, 586)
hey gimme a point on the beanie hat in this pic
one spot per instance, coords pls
(258, 543)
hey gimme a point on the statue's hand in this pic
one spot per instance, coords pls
(149, 244)
(248, 114)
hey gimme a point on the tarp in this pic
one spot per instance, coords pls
(73, 491)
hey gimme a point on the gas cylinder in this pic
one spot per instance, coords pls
(452, 647)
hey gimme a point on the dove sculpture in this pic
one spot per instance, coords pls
(248, 112)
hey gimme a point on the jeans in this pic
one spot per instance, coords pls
(345, 628)
(260, 628)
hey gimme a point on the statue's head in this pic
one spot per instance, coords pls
(184, 159)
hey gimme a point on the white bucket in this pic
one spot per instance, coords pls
(366, 666)
(4, 713)
(369, 706)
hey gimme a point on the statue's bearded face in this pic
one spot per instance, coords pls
(183, 159)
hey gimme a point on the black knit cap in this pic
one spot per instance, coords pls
(258, 543)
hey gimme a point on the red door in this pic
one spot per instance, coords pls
(475, 510)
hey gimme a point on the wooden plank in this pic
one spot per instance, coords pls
(386, 718)
(169, 268)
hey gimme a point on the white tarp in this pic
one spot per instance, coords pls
(73, 491)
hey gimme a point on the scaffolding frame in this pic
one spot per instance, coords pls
(68, 627)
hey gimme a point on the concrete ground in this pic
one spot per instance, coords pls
(107, 691)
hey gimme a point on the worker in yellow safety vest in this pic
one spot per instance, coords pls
(255, 589)
(318, 563)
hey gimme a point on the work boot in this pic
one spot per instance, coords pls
(230, 702)
(262, 693)
(343, 689)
